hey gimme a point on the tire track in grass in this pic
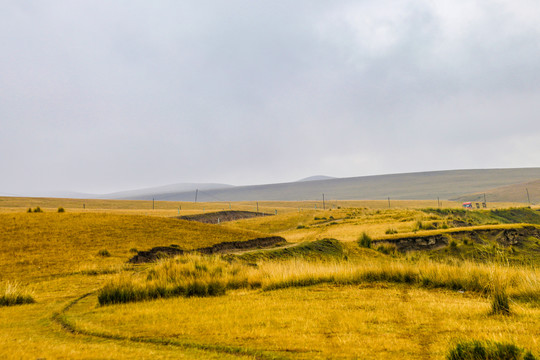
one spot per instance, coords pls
(60, 318)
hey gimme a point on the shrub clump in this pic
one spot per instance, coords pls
(61, 210)
(13, 294)
(104, 253)
(391, 231)
(365, 240)
(488, 350)
(500, 304)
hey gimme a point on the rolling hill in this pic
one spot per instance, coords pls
(514, 192)
(409, 186)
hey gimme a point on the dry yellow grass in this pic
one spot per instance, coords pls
(54, 243)
(55, 257)
(374, 321)
(170, 208)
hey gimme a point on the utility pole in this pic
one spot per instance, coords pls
(152, 203)
(323, 204)
(485, 202)
(528, 198)
(196, 193)
(438, 202)
(257, 206)
(389, 202)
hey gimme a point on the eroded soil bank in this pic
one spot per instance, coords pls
(160, 252)
(504, 237)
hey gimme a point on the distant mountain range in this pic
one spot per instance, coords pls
(450, 184)
(160, 191)
(316, 177)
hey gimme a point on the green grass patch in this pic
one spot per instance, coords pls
(488, 350)
(316, 250)
(364, 240)
(487, 217)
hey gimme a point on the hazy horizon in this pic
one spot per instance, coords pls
(99, 97)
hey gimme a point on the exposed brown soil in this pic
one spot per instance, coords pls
(155, 254)
(505, 237)
(160, 252)
(222, 216)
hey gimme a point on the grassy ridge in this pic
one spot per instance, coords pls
(488, 217)
(52, 243)
(324, 249)
(209, 276)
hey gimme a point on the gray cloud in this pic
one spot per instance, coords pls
(100, 96)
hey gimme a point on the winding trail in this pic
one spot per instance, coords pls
(61, 318)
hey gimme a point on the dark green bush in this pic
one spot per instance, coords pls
(365, 240)
(104, 253)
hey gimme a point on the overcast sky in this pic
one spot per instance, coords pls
(103, 96)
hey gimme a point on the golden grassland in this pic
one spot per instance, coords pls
(365, 305)
(174, 208)
(56, 243)
(347, 224)
(382, 321)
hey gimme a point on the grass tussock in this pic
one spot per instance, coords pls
(189, 275)
(365, 240)
(15, 294)
(196, 275)
(488, 350)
